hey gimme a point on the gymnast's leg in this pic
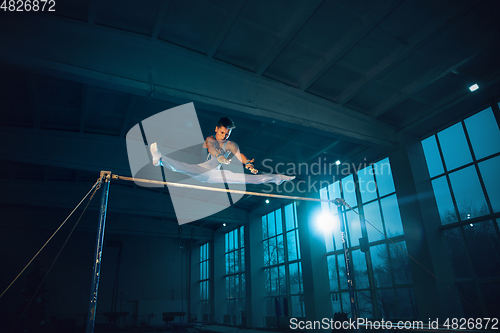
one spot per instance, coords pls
(224, 176)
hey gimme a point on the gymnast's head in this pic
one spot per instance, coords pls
(224, 128)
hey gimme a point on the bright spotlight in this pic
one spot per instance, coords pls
(223, 224)
(474, 87)
(327, 222)
(337, 162)
(267, 201)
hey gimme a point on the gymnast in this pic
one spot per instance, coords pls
(219, 148)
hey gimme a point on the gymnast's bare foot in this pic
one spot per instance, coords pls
(155, 153)
(285, 178)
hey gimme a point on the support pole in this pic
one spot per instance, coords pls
(105, 177)
(347, 260)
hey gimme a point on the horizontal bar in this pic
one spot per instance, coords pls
(204, 188)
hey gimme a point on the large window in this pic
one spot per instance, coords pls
(282, 264)
(381, 273)
(235, 276)
(464, 162)
(205, 281)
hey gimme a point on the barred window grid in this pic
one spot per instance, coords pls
(205, 278)
(234, 255)
(282, 262)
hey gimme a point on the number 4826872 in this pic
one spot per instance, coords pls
(28, 5)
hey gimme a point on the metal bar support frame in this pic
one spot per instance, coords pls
(105, 180)
(341, 203)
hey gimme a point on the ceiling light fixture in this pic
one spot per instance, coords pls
(267, 201)
(337, 162)
(474, 87)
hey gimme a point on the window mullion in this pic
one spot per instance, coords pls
(446, 174)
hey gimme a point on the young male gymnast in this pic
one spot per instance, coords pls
(219, 148)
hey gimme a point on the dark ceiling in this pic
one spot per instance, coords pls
(303, 80)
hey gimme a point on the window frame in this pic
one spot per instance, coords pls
(340, 292)
(467, 277)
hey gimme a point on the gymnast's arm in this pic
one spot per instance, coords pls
(212, 146)
(233, 148)
(213, 149)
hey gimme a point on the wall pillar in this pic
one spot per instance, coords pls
(317, 297)
(219, 282)
(194, 308)
(425, 241)
(255, 272)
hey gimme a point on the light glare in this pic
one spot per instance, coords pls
(327, 222)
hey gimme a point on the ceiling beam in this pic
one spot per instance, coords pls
(225, 27)
(254, 133)
(441, 70)
(128, 114)
(92, 12)
(430, 30)
(120, 60)
(282, 148)
(295, 24)
(323, 150)
(347, 43)
(34, 102)
(84, 106)
(10, 171)
(451, 101)
(160, 19)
